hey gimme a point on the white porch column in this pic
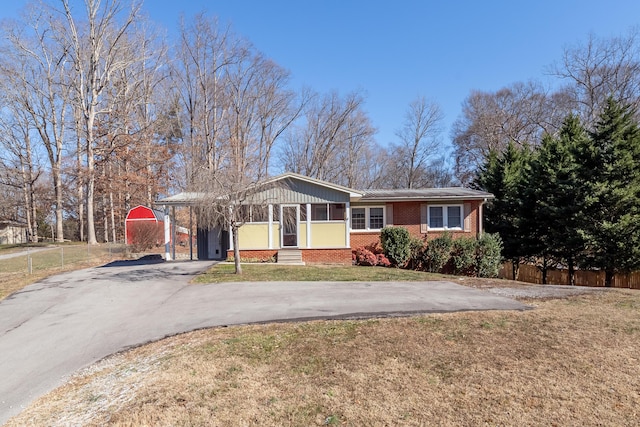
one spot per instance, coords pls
(270, 231)
(308, 225)
(167, 234)
(230, 231)
(347, 222)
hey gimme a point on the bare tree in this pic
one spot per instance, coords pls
(226, 199)
(600, 68)
(520, 113)
(35, 74)
(98, 49)
(19, 166)
(277, 109)
(418, 139)
(333, 126)
(204, 54)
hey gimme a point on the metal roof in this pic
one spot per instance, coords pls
(449, 193)
(425, 194)
(181, 199)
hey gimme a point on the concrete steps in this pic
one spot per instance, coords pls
(290, 257)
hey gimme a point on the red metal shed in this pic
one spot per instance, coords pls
(143, 222)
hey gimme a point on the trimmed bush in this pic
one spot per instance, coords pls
(383, 261)
(416, 254)
(438, 252)
(489, 255)
(365, 257)
(395, 244)
(463, 256)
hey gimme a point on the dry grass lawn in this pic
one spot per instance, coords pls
(225, 272)
(14, 273)
(571, 361)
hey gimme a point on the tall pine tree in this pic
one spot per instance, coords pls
(502, 175)
(554, 191)
(609, 169)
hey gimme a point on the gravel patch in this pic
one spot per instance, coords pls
(542, 291)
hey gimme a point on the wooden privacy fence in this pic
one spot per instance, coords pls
(532, 274)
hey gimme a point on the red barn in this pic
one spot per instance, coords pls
(144, 226)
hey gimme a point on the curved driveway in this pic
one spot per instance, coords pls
(55, 327)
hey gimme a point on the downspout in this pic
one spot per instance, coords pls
(481, 218)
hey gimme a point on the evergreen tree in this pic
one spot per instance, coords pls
(503, 176)
(554, 191)
(610, 173)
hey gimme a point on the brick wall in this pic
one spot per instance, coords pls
(309, 256)
(326, 256)
(261, 255)
(407, 215)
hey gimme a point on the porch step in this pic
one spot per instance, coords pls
(290, 257)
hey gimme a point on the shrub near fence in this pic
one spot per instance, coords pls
(531, 274)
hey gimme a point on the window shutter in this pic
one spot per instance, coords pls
(423, 218)
(389, 214)
(467, 217)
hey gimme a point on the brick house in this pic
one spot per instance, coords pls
(314, 221)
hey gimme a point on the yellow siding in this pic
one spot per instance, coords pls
(302, 235)
(328, 235)
(275, 235)
(254, 236)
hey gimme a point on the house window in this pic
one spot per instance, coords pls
(358, 219)
(444, 217)
(328, 212)
(336, 211)
(319, 212)
(367, 218)
(259, 213)
(376, 218)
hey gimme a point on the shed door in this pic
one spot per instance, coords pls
(289, 227)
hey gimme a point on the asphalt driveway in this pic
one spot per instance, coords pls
(55, 327)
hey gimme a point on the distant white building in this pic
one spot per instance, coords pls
(12, 232)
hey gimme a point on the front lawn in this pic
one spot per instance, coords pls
(331, 273)
(570, 362)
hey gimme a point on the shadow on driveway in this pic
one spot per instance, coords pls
(145, 260)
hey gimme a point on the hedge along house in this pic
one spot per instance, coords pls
(296, 218)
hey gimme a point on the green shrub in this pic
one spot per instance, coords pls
(395, 244)
(489, 255)
(416, 254)
(438, 252)
(463, 256)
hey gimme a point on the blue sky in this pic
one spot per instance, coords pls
(394, 51)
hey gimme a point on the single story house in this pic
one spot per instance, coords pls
(323, 222)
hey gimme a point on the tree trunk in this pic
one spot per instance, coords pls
(544, 269)
(105, 217)
(57, 182)
(236, 249)
(572, 273)
(91, 181)
(80, 178)
(113, 217)
(608, 278)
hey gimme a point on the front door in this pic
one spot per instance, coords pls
(289, 225)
